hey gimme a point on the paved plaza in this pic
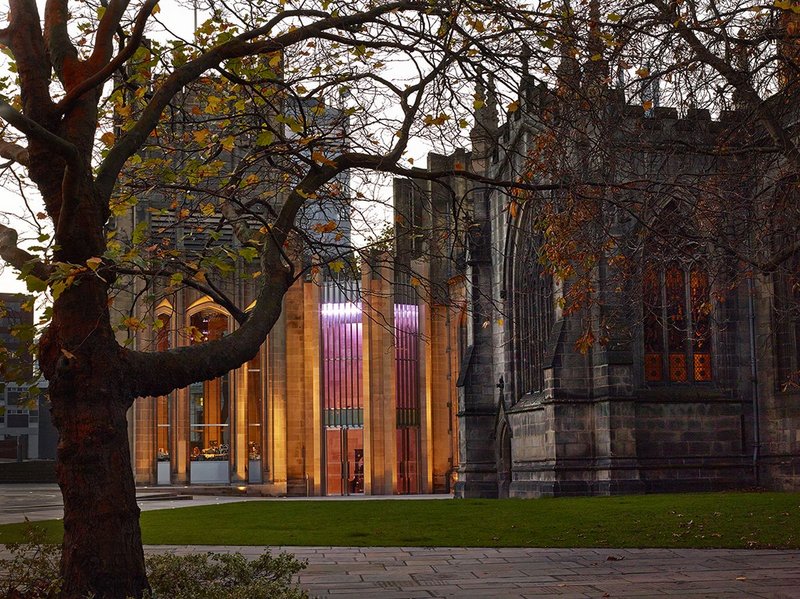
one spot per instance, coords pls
(412, 572)
(415, 572)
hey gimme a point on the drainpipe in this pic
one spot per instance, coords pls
(754, 377)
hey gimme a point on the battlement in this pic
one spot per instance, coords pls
(539, 108)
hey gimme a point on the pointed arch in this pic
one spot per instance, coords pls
(676, 309)
(529, 291)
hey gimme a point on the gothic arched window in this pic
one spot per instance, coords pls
(533, 317)
(677, 327)
(786, 319)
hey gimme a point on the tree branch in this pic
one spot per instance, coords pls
(158, 373)
(11, 151)
(19, 258)
(32, 129)
(101, 74)
(209, 290)
(63, 55)
(24, 37)
(104, 38)
(735, 78)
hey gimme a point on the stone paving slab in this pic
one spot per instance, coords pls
(415, 572)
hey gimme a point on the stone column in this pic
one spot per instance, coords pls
(312, 347)
(275, 398)
(380, 417)
(296, 416)
(180, 437)
(238, 389)
(613, 383)
(442, 394)
(425, 340)
(426, 399)
(144, 446)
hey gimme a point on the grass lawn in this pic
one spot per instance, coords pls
(735, 520)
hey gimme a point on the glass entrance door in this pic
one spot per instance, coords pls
(407, 463)
(344, 461)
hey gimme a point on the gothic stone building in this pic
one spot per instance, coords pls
(686, 391)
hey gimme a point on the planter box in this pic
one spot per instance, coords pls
(162, 473)
(254, 471)
(211, 472)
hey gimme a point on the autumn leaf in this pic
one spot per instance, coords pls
(327, 227)
(132, 323)
(201, 136)
(584, 343)
(214, 105)
(320, 158)
(108, 138)
(228, 143)
(439, 120)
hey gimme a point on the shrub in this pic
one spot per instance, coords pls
(32, 572)
(221, 576)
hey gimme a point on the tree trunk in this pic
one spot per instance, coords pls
(102, 551)
(90, 393)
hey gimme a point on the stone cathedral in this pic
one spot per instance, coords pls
(689, 383)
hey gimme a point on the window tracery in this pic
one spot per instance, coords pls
(677, 325)
(533, 316)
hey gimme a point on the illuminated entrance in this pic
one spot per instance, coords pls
(343, 402)
(343, 399)
(406, 330)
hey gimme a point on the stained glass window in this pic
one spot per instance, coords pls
(676, 324)
(701, 325)
(653, 326)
